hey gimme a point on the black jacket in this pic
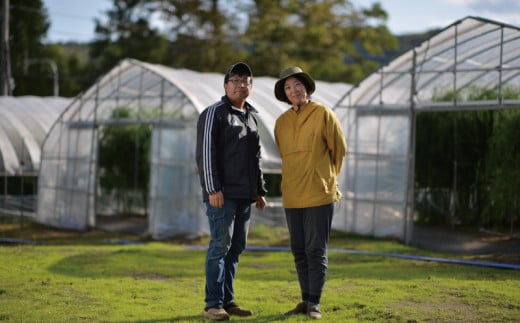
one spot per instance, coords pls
(228, 152)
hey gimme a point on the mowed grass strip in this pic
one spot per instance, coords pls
(103, 278)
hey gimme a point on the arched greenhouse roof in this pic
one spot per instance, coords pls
(24, 123)
(472, 64)
(469, 55)
(133, 81)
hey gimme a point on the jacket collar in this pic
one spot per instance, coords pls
(250, 108)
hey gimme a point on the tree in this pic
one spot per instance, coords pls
(28, 25)
(33, 61)
(329, 38)
(203, 33)
(127, 34)
(193, 34)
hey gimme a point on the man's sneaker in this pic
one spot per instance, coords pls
(234, 309)
(301, 308)
(216, 314)
(314, 312)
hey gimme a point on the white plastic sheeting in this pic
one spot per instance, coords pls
(24, 123)
(169, 100)
(378, 116)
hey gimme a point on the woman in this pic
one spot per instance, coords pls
(312, 145)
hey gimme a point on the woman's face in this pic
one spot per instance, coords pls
(295, 91)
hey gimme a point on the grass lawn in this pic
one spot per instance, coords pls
(106, 277)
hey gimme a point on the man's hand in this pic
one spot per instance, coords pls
(216, 199)
(260, 202)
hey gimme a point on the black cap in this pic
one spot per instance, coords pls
(239, 68)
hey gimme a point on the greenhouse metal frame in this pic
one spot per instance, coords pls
(169, 100)
(379, 116)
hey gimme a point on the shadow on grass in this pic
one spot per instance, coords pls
(12, 233)
(137, 263)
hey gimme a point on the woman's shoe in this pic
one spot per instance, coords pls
(313, 311)
(301, 308)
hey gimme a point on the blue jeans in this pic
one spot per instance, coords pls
(228, 227)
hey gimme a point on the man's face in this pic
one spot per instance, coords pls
(238, 87)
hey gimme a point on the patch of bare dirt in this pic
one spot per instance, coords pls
(491, 246)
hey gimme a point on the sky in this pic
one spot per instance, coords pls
(73, 20)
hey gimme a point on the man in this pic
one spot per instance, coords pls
(228, 159)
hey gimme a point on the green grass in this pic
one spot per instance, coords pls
(101, 277)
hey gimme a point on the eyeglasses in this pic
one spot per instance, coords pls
(236, 82)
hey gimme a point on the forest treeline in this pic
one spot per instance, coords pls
(331, 39)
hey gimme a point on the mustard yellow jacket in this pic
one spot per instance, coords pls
(312, 146)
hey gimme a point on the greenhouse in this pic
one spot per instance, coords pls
(159, 106)
(379, 117)
(24, 123)
(141, 98)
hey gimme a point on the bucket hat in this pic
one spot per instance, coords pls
(297, 72)
(239, 68)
